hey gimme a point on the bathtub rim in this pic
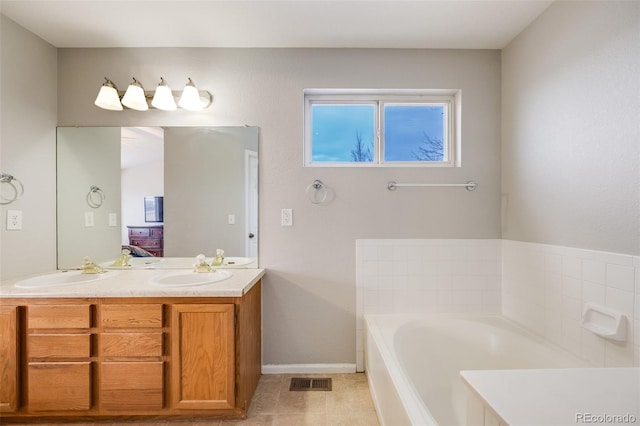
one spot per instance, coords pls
(417, 413)
(385, 324)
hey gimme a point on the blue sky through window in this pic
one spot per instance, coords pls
(335, 129)
(406, 129)
(413, 132)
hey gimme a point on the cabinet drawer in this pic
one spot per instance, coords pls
(59, 345)
(146, 243)
(131, 315)
(139, 232)
(59, 386)
(58, 316)
(157, 232)
(131, 344)
(131, 385)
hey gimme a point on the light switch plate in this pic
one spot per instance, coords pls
(113, 219)
(14, 220)
(231, 219)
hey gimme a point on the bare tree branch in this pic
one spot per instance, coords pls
(432, 149)
(360, 152)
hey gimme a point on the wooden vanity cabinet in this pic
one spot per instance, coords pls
(132, 358)
(216, 352)
(203, 356)
(59, 356)
(9, 359)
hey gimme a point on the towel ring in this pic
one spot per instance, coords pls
(318, 187)
(95, 197)
(17, 192)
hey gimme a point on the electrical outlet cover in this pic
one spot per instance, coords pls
(89, 219)
(14, 220)
(286, 217)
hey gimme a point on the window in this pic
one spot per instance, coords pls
(358, 128)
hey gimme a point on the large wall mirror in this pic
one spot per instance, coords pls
(174, 192)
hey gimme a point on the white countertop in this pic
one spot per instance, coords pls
(560, 396)
(136, 283)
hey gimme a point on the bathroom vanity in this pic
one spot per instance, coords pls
(124, 346)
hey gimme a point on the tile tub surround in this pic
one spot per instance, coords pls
(425, 276)
(545, 287)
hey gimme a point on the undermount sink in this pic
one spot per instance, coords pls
(190, 278)
(63, 278)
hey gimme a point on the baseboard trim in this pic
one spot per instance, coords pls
(308, 368)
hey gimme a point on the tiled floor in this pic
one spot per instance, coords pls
(348, 403)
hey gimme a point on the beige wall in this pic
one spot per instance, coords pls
(204, 183)
(309, 291)
(571, 128)
(86, 158)
(28, 116)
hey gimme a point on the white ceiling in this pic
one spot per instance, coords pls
(474, 24)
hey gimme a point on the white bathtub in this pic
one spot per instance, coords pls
(413, 362)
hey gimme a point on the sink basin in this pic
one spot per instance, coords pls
(189, 278)
(135, 262)
(63, 278)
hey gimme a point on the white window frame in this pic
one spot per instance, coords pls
(450, 98)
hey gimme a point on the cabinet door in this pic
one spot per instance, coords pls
(203, 356)
(8, 359)
(56, 386)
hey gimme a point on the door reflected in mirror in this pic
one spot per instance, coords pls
(191, 190)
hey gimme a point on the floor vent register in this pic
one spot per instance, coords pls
(310, 384)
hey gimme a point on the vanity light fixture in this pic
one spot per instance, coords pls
(108, 97)
(134, 97)
(163, 98)
(190, 98)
